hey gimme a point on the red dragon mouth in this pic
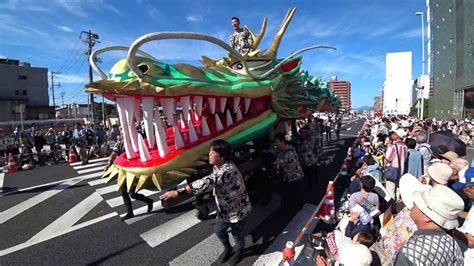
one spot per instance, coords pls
(192, 120)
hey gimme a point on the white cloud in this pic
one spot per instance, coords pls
(25, 5)
(413, 33)
(72, 78)
(191, 18)
(115, 10)
(73, 7)
(63, 28)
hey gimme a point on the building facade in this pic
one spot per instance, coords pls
(452, 51)
(23, 85)
(343, 90)
(398, 95)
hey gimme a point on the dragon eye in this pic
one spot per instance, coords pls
(143, 68)
(252, 64)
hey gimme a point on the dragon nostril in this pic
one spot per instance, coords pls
(143, 68)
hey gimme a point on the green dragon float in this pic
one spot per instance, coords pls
(239, 98)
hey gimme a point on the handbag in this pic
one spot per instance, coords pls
(393, 173)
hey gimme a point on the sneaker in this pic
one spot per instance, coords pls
(128, 216)
(150, 206)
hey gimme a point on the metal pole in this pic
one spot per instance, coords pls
(103, 112)
(422, 63)
(21, 117)
(89, 51)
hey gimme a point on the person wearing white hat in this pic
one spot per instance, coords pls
(434, 212)
(440, 173)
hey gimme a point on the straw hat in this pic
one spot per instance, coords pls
(441, 204)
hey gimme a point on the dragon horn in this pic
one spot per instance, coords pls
(272, 51)
(257, 39)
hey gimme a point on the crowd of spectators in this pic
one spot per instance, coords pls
(46, 146)
(409, 196)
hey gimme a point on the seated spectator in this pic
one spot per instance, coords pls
(440, 173)
(400, 227)
(367, 186)
(434, 212)
(26, 159)
(359, 221)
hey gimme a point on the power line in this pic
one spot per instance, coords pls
(77, 49)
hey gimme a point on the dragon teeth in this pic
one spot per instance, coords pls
(168, 108)
(239, 115)
(178, 139)
(198, 105)
(228, 120)
(236, 106)
(212, 104)
(123, 121)
(147, 104)
(163, 149)
(205, 128)
(129, 113)
(144, 154)
(192, 132)
(185, 102)
(247, 104)
(222, 102)
(219, 125)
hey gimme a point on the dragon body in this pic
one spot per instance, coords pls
(184, 108)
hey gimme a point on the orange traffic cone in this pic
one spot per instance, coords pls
(289, 253)
(327, 212)
(72, 155)
(11, 164)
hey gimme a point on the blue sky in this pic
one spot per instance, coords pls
(46, 34)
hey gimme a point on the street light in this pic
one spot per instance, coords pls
(422, 61)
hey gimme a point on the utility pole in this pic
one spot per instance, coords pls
(62, 98)
(90, 39)
(53, 73)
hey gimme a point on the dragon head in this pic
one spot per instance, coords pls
(183, 108)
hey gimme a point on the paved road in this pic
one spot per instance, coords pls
(66, 214)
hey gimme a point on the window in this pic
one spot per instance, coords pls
(437, 52)
(437, 26)
(444, 75)
(437, 4)
(444, 47)
(17, 92)
(24, 93)
(451, 40)
(443, 19)
(22, 77)
(450, 10)
(450, 71)
(437, 77)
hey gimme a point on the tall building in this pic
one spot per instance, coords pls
(398, 92)
(25, 86)
(378, 104)
(343, 90)
(452, 52)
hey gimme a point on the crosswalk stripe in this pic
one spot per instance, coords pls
(29, 203)
(98, 182)
(117, 201)
(168, 230)
(88, 165)
(101, 168)
(208, 250)
(107, 189)
(90, 161)
(80, 178)
(273, 256)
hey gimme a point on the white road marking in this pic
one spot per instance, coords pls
(90, 161)
(89, 165)
(107, 189)
(64, 224)
(84, 177)
(95, 169)
(273, 256)
(98, 182)
(27, 204)
(208, 250)
(2, 178)
(171, 228)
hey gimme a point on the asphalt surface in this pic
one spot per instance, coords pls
(63, 214)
